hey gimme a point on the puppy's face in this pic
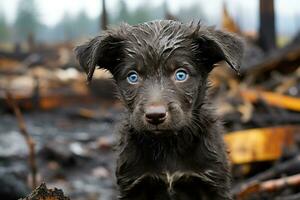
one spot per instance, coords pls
(160, 68)
(160, 91)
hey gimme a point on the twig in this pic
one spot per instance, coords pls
(271, 185)
(29, 140)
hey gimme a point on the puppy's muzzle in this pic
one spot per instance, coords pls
(155, 114)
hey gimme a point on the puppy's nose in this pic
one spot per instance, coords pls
(155, 114)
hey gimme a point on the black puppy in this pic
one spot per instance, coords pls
(171, 144)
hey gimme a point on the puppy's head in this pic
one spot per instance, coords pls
(160, 68)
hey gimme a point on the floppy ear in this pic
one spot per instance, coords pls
(103, 51)
(216, 46)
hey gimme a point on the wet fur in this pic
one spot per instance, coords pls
(186, 159)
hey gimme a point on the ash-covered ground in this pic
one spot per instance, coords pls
(74, 153)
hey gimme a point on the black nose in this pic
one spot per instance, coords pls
(155, 114)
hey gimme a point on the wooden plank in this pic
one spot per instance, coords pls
(261, 144)
(271, 98)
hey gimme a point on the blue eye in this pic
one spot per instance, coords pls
(132, 77)
(181, 75)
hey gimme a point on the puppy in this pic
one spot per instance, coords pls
(171, 145)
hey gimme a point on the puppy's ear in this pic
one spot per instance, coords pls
(104, 51)
(216, 46)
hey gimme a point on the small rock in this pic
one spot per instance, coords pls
(77, 149)
(100, 172)
(52, 165)
(106, 142)
(59, 152)
(82, 137)
(12, 144)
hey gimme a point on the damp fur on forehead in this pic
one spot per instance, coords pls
(159, 39)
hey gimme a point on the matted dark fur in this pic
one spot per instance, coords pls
(182, 157)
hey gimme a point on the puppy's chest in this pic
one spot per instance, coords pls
(175, 179)
(175, 171)
(171, 178)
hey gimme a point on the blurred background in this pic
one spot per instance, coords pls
(55, 128)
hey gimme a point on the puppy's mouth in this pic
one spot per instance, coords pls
(158, 130)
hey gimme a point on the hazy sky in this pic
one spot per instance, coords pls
(51, 11)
